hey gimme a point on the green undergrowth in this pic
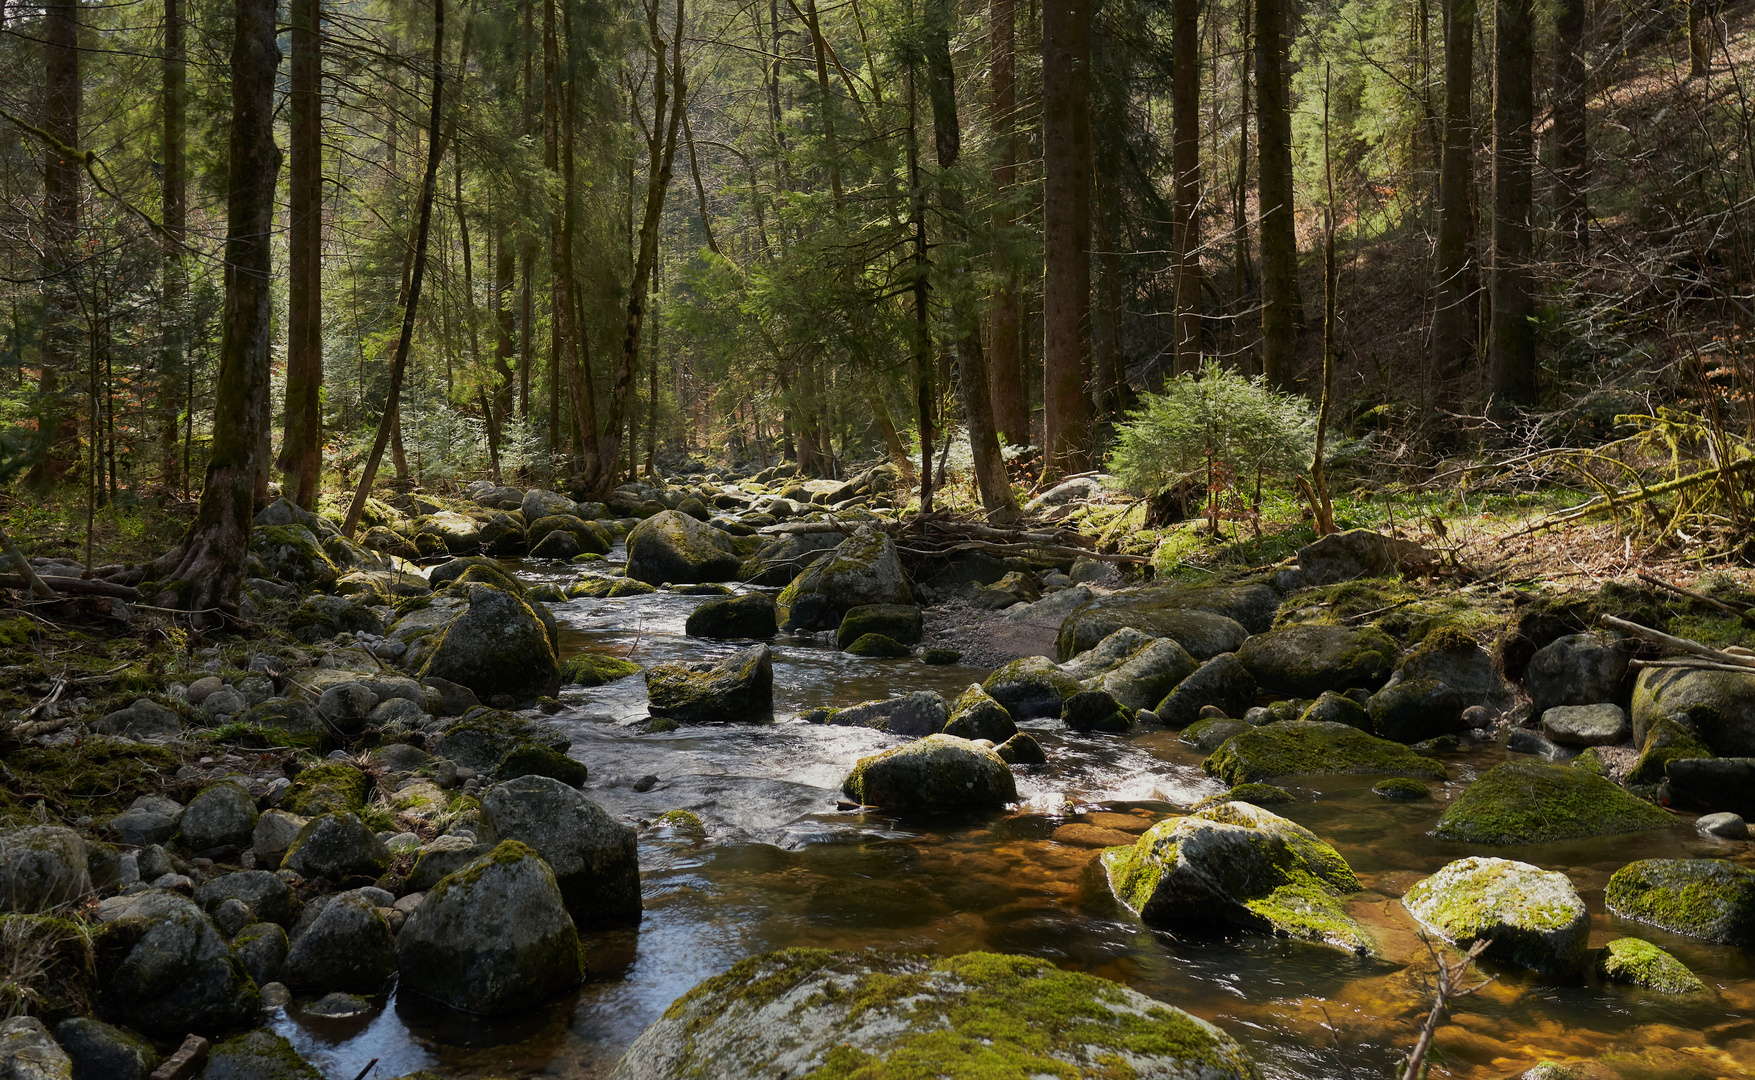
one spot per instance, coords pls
(98, 776)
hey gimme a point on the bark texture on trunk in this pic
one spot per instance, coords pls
(1007, 389)
(1512, 346)
(176, 215)
(1185, 168)
(62, 104)
(301, 452)
(1066, 234)
(1571, 165)
(1454, 328)
(1279, 243)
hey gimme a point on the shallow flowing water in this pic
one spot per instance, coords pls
(783, 867)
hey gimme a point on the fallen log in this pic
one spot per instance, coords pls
(74, 586)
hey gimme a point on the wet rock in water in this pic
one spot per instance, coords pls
(1534, 917)
(326, 789)
(1222, 683)
(261, 948)
(1575, 669)
(1633, 962)
(1031, 687)
(1149, 675)
(1357, 553)
(778, 562)
(1401, 789)
(1210, 734)
(596, 669)
(1666, 740)
(477, 568)
(1306, 660)
(262, 892)
(1725, 826)
(143, 719)
(593, 856)
(1236, 863)
(748, 616)
(534, 759)
(100, 1051)
(938, 771)
(42, 867)
(1586, 725)
(1529, 802)
(29, 1052)
(1096, 710)
(1413, 710)
(1108, 654)
(496, 644)
(739, 688)
(1713, 783)
(1332, 707)
(939, 657)
(166, 970)
(1301, 747)
(976, 715)
(1205, 620)
(877, 646)
(337, 846)
(1021, 749)
(275, 832)
(672, 546)
(586, 536)
(787, 1013)
(1710, 899)
(258, 1055)
(899, 622)
(1720, 706)
(912, 715)
(150, 819)
(493, 937)
(862, 570)
(1259, 794)
(222, 815)
(341, 942)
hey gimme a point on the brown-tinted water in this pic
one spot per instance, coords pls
(782, 867)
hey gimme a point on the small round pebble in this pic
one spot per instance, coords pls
(1401, 789)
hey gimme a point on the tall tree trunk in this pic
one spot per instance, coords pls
(62, 101)
(1571, 167)
(1066, 235)
(1700, 21)
(1185, 169)
(210, 574)
(1512, 349)
(1279, 243)
(176, 215)
(924, 393)
(301, 452)
(399, 363)
(1243, 277)
(504, 325)
(560, 301)
(580, 381)
(526, 235)
(1458, 286)
(1007, 390)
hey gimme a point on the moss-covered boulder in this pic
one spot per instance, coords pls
(460, 534)
(588, 536)
(479, 568)
(495, 643)
(1401, 789)
(1091, 711)
(1222, 683)
(1156, 610)
(222, 815)
(493, 937)
(976, 715)
(165, 969)
(293, 554)
(539, 503)
(1452, 657)
(337, 847)
(1530, 802)
(899, 622)
(1302, 747)
(596, 669)
(1149, 675)
(750, 615)
(1719, 704)
(1534, 917)
(1713, 899)
(100, 1051)
(1334, 707)
(878, 647)
(845, 1014)
(1665, 740)
(42, 867)
(1303, 661)
(593, 856)
(1210, 734)
(1633, 962)
(483, 738)
(1417, 709)
(936, 772)
(911, 715)
(672, 546)
(739, 688)
(341, 942)
(1357, 553)
(326, 789)
(1237, 864)
(777, 562)
(1031, 687)
(1108, 654)
(535, 759)
(258, 1055)
(863, 569)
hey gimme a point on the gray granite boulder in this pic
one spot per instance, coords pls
(594, 857)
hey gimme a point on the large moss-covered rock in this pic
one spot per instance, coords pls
(863, 569)
(1452, 657)
(593, 856)
(588, 536)
(976, 715)
(1303, 661)
(221, 815)
(1236, 863)
(596, 669)
(1357, 553)
(1222, 682)
(1534, 917)
(1149, 675)
(750, 615)
(899, 622)
(336, 847)
(483, 738)
(1413, 710)
(1031, 687)
(100, 1051)
(166, 970)
(326, 789)
(493, 937)
(805, 1012)
(1633, 962)
(737, 689)
(1665, 740)
(258, 1055)
(341, 942)
(494, 643)
(939, 771)
(779, 561)
(1720, 704)
(1529, 802)
(674, 547)
(293, 554)
(1108, 654)
(42, 867)
(1712, 899)
(539, 503)
(1303, 747)
(1159, 610)
(911, 715)
(478, 568)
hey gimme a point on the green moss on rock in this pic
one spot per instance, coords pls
(1401, 789)
(325, 789)
(878, 646)
(1529, 802)
(1296, 747)
(1665, 741)
(1711, 899)
(1640, 963)
(1258, 794)
(596, 669)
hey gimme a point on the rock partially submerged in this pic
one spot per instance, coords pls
(1529, 802)
(937, 772)
(1633, 962)
(673, 547)
(1702, 898)
(1534, 917)
(739, 688)
(1295, 747)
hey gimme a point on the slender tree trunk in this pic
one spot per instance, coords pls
(1571, 165)
(580, 381)
(527, 237)
(560, 301)
(1279, 243)
(504, 326)
(399, 363)
(301, 452)
(1007, 389)
(1185, 168)
(1458, 285)
(1699, 37)
(1243, 278)
(176, 216)
(210, 574)
(924, 393)
(1512, 350)
(1066, 235)
(62, 101)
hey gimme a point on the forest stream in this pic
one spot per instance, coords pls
(781, 866)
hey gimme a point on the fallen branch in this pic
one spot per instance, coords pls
(1614, 500)
(1449, 986)
(1747, 618)
(1658, 637)
(70, 585)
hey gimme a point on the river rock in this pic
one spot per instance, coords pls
(736, 689)
(1021, 749)
(493, 937)
(863, 569)
(258, 1055)
(293, 554)
(100, 1051)
(1534, 917)
(1159, 610)
(1710, 899)
(781, 560)
(494, 644)
(29, 1052)
(976, 715)
(1417, 709)
(1031, 687)
(750, 615)
(1303, 661)
(336, 847)
(1096, 710)
(341, 942)
(1576, 669)
(1529, 802)
(347, 706)
(1108, 654)
(143, 719)
(1586, 725)
(1302, 747)
(150, 819)
(1149, 675)
(936, 772)
(1334, 707)
(222, 815)
(1456, 660)
(899, 622)
(806, 1011)
(593, 856)
(478, 568)
(1222, 683)
(1210, 734)
(673, 547)
(1713, 783)
(265, 894)
(325, 789)
(166, 970)
(1667, 740)
(912, 715)
(482, 740)
(1633, 962)
(1719, 704)
(42, 867)
(275, 832)
(1239, 864)
(588, 536)
(1357, 553)
(297, 721)
(261, 948)
(320, 617)
(526, 759)
(538, 504)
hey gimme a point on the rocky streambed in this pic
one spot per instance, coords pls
(581, 804)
